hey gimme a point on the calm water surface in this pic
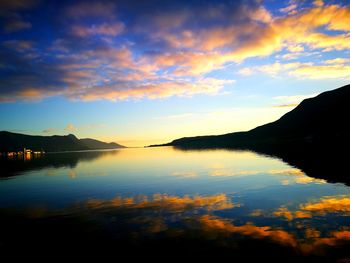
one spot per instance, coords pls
(236, 200)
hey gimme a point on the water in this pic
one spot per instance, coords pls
(164, 197)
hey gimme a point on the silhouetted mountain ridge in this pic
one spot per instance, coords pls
(15, 142)
(318, 120)
(95, 144)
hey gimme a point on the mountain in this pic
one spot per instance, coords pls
(321, 121)
(15, 142)
(95, 144)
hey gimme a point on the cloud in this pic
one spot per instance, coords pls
(289, 8)
(291, 105)
(225, 172)
(322, 72)
(295, 48)
(70, 127)
(298, 29)
(166, 202)
(231, 173)
(327, 42)
(10, 15)
(185, 174)
(245, 71)
(152, 91)
(16, 4)
(19, 45)
(292, 176)
(337, 68)
(337, 61)
(326, 205)
(49, 130)
(318, 3)
(291, 101)
(294, 172)
(80, 77)
(295, 176)
(90, 9)
(211, 223)
(139, 51)
(21, 79)
(277, 68)
(14, 26)
(189, 63)
(102, 29)
(289, 215)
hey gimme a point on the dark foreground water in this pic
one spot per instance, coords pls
(146, 202)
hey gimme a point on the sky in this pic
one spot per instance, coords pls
(148, 72)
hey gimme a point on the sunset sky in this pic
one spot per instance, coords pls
(145, 72)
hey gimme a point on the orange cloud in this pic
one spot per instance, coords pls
(283, 212)
(312, 233)
(70, 127)
(167, 202)
(74, 77)
(326, 205)
(313, 242)
(290, 215)
(190, 63)
(336, 204)
(327, 42)
(319, 244)
(215, 37)
(210, 223)
(304, 239)
(296, 29)
(28, 93)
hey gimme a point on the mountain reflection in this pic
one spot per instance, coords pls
(317, 161)
(11, 167)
